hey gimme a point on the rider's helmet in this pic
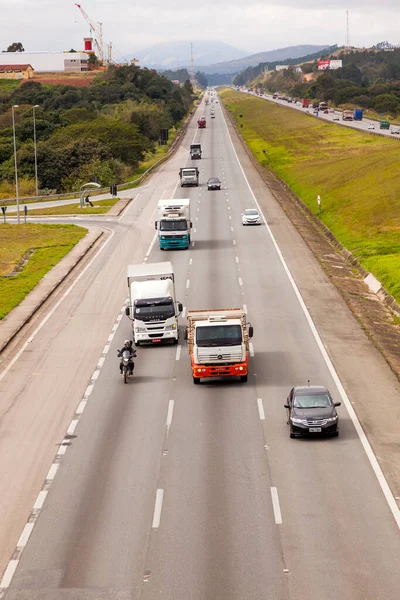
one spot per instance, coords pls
(128, 343)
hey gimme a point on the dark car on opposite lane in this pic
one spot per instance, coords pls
(311, 410)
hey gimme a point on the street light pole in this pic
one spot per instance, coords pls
(15, 161)
(34, 145)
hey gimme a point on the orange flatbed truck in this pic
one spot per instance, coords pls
(218, 343)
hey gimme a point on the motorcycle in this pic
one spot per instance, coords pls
(127, 364)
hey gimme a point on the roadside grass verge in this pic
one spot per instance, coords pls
(48, 244)
(100, 207)
(356, 175)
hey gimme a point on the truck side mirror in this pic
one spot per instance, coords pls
(191, 224)
(251, 331)
(180, 307)
(286, 406)
(127, 311)
(155, 225)
(186, 334)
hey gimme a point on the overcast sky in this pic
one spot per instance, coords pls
(251, 25)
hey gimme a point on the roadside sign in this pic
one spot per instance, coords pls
(4, 209)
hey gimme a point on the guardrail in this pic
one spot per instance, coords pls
(121, 186)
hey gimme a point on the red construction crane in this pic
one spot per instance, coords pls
(96, 30)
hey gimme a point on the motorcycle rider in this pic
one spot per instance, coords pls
(132, 353)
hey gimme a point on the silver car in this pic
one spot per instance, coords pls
(251, 216)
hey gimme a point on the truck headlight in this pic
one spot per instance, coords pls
(140, 329)
(169, 327)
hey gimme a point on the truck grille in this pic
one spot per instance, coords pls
(226, 357)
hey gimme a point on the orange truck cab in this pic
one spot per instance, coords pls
(218, 343)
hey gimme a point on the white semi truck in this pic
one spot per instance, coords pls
(218, 343)
(173, 223)
(153, 307)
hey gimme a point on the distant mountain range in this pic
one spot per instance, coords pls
(173, 55)
(238, 64)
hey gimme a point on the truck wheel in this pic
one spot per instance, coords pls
(196, 380)
(137, 344)
(243, 378)
(175, 341)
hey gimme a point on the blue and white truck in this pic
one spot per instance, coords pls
(173, 223)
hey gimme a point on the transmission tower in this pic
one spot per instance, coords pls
(347, 31)
(192, 79)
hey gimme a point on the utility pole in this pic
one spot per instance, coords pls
(347, 31)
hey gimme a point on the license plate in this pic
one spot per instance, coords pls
(156, 340)
(315, 430)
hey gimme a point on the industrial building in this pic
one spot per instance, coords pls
(48, 62)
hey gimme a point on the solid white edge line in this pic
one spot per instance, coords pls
(57, 304)
(275, 505)
(9, 574)
(170, 413)
(387, 492)
(261, 409)
(25, 535)
(158, 508)
(178, 352)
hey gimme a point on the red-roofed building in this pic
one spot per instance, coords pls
(16, 71)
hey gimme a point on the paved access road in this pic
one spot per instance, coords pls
(175, 491)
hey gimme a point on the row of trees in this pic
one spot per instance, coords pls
(102, 130)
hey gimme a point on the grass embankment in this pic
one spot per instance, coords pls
(100, 207)
(356, 175)
(48, 244)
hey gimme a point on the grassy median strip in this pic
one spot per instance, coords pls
(355, 174)
(100, 207)
(27, 253)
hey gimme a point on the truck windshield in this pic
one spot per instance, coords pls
(173, 225)
(219, 335)
(157, 312)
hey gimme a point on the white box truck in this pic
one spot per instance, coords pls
(173, 223)
(189, 176)
(152, 307)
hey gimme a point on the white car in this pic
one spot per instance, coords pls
(336, 118)
(371, 126)
(251, 216)
(395, 131)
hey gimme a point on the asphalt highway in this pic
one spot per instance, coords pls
(359, 125)
(169, 490)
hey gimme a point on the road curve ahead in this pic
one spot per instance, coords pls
(175, 491)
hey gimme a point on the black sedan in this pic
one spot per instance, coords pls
(213, 183)
(311, 410)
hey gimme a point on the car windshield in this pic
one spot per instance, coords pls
(251, 211)
(173, 225)
(312, 401)
(219, 335)
(213, 180)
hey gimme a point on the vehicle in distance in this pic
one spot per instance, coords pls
(173, 223)
(336, 118)
(384, 124)
(371, 126)
(201, 123)
(213, 183)
(357, 114)
(195, 151)
(395, 131)
(189, 176)
(347, 115)
(251, 216)
(311, 410)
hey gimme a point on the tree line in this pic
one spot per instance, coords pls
(102, 130)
